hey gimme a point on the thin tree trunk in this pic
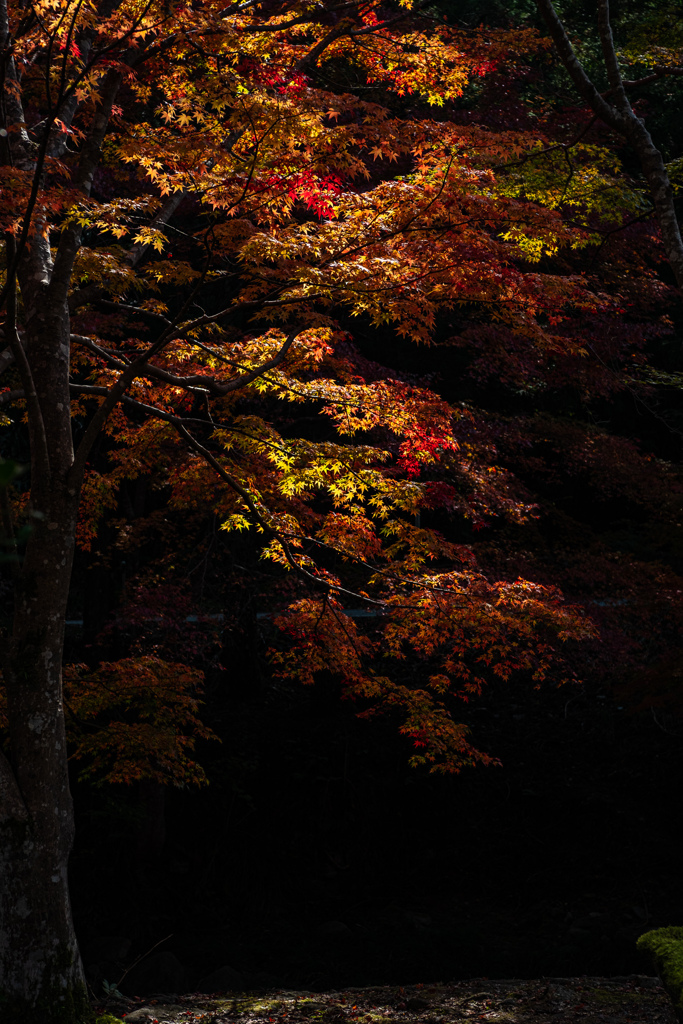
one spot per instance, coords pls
(657, 177)
(619, 115)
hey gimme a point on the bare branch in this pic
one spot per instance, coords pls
(610, 56)
(11, 396)
(575, 69)
(660, 71)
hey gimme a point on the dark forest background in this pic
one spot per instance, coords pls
(316, 857)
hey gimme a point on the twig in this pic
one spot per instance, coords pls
(142, 957)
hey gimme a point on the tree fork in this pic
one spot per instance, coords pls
(622, 118)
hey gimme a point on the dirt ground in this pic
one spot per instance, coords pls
(636, 999)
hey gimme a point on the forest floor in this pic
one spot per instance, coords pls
(635, 999)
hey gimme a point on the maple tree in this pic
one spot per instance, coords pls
(197, 202)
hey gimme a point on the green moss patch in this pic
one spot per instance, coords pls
(604, 995)
(664, 946)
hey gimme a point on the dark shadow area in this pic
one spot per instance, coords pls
(317, 858)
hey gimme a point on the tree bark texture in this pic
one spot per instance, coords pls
(41, 977)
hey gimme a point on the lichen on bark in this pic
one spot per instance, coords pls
(55, 1003)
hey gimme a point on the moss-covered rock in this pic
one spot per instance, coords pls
(664, 946)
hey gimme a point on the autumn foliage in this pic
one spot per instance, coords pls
(323, 327)
(266, 178)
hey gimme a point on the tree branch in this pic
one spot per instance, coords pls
(575, 69)
(11, 396)
(660, 71)
(610, 56)
(547, 149)
(179, 423)
(625, 121)
(310, 59)
(40, 456)
(141, 368)
(113, 396)
(169, 207)
(70, 240)
(389, 21)
(262, 522)
(198, 381)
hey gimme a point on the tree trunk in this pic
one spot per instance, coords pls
(616, 111)
(41, 976)
(657, 177)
